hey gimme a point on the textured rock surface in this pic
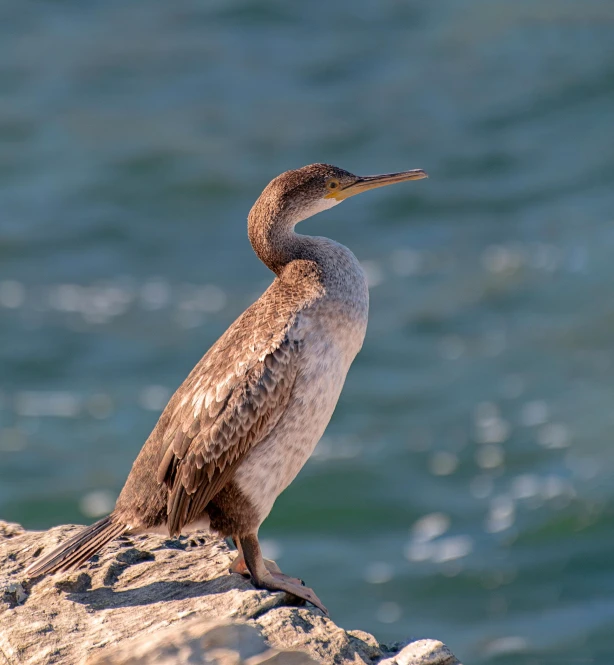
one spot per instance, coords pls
(194, 641)
(159, 601)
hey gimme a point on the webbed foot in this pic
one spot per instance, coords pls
(266, 574)
(291, 585)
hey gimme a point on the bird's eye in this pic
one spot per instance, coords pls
(333, 184)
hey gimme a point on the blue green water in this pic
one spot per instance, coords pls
(464, 487)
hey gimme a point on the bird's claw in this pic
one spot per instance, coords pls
(294, 587)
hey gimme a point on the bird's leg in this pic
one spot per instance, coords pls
(240, 567)
(264, 578)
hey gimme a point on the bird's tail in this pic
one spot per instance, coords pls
(78, 549)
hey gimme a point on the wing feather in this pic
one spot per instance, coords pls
(205, 446)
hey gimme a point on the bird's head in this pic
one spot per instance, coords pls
(304, 192)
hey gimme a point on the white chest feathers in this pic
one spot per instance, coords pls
(329, 349)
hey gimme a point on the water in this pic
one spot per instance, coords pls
(464, 487)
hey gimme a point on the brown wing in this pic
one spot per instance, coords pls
(231, 400)
(215, 433)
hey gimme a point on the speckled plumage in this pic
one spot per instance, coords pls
(247, 418)
(252, 410)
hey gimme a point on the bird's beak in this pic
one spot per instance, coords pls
(373, 181)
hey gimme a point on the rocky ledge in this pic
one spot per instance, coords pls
(150, 600)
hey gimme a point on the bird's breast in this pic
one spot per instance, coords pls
(331, 338)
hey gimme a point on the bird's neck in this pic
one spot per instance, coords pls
(274, 241)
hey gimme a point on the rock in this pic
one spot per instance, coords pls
(195, 641)
(150, 600)
(15, 594)
(422, 652)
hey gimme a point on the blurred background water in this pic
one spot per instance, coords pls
(464, 487)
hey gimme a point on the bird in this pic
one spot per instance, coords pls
(246, 419)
